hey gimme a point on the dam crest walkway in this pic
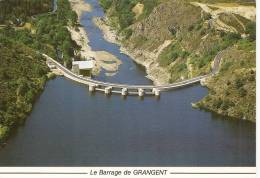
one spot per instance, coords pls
(127, 89)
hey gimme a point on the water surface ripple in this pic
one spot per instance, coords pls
(70, 127)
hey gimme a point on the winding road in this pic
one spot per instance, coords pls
(125, 89)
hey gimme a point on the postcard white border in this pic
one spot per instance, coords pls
(79, 172)
(176, 172)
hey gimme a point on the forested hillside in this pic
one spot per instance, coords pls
(18, 10)
(22, 78)
(23, 71)
(178, 39)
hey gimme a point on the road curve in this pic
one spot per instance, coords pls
(91, 82)
(88, 81)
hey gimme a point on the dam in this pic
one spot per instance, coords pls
(123, 89)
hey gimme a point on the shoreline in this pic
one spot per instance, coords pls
(79, 6)
(110, 35)
(155, 73)
(103, 59)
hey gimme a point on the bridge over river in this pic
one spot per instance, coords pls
(125, 89)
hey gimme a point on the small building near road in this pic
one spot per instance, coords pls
(83, 67)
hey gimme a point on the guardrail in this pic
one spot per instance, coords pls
(124, 89)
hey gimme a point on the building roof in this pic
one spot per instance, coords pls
(84, 64)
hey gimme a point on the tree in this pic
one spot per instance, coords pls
(251, 30)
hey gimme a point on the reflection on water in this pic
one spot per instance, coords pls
(71, 127)
(129, 72)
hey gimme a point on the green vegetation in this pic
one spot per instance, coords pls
(196, 40)
(231, 20)
(106, 4)
(126, 33)
(251, 30)
(171, 53)
(52, 32)
(22, 78)
(233, 91)
(202, 63)
(49, 34)
(244, 2)
(23, 71)
(200, 55)
(122, 15)
(139, 41)
(149, 5)
(19, 11)
(179, 70)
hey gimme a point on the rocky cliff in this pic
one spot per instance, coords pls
(178, 39)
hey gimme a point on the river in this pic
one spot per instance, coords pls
(71, 127)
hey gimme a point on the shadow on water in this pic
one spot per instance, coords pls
(129, 71)
(71, 127)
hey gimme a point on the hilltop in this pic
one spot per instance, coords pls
(17, 12)
(178, 39)
(26, 28)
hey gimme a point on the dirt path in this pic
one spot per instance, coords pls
(248, 12)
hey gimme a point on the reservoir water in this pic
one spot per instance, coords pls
(71, 127)
(129, 72)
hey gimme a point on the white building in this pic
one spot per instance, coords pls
(83, 67)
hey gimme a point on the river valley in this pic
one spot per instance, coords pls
(71, 127)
